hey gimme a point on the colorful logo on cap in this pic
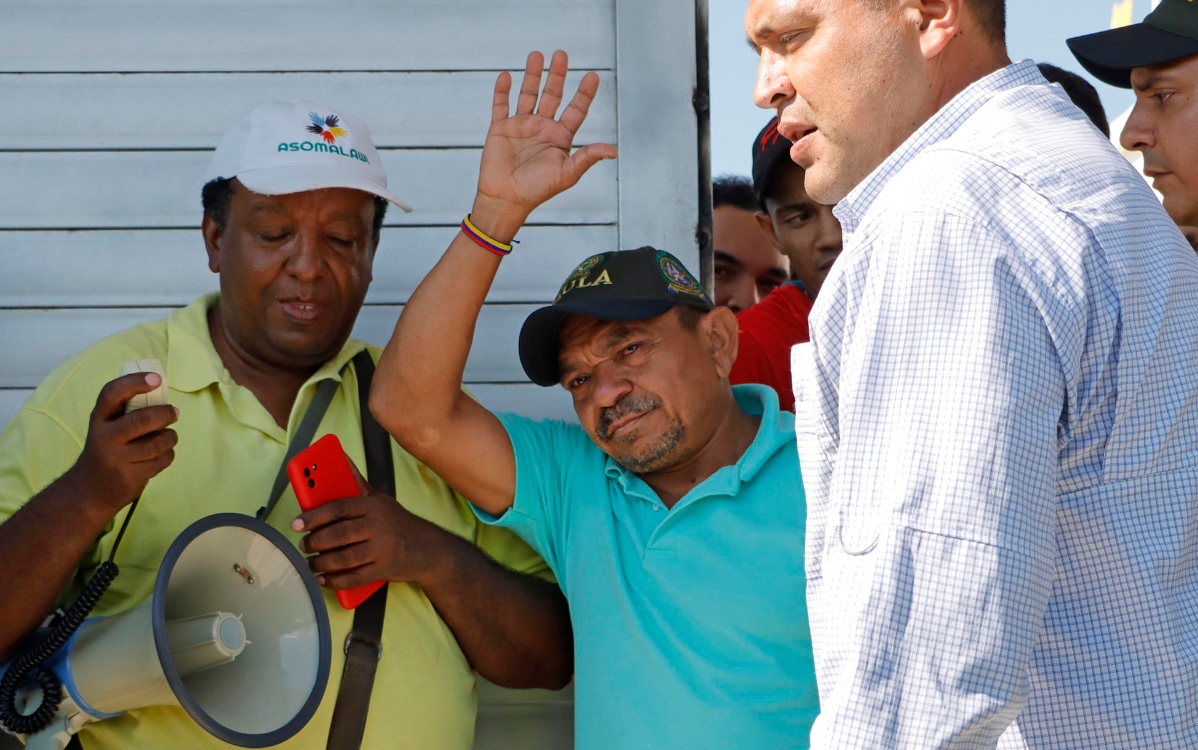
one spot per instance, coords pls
(327, 128)
(677, 277)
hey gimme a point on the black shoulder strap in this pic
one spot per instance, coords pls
(364, 644)
(303, 438)
(380, 469)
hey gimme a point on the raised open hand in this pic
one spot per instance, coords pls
(526, 159)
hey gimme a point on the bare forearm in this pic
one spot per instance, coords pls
(526, 161)
(416, 394)
(514, 628)
(41, 545)
(421, 368)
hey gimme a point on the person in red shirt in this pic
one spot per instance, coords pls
(747, 262)
(808, 234)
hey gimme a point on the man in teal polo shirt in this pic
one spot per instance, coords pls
(673, 517)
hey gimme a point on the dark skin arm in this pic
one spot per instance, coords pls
(44, 542)
(513, 628)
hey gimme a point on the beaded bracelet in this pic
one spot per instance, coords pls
(482, 240)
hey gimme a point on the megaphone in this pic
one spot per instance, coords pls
(236, 634)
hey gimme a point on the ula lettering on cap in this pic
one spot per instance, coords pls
(580, 282)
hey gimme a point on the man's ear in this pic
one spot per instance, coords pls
(767, 225)
(212, 236)
(722, 332)
(374, 252)
(938, 22)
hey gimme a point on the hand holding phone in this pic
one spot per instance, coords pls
(320, 474)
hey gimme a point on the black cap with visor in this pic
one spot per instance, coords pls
(770, 149)
(627, 285)
(1168, 34)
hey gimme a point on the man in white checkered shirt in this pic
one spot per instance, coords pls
(998, 413)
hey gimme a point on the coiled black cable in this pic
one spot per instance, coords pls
(28, 667)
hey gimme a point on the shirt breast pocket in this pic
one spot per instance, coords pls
(854, 531)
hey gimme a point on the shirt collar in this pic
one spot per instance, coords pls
(776, 430)
(941, 125)
(193, 363)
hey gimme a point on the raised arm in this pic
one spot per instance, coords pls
(416, 393)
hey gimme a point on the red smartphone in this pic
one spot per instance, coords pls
(321, 473)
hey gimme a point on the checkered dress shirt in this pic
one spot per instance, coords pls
(998, 431)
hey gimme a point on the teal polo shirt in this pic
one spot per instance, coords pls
(690, 623)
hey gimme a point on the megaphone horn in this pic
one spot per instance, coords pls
(236, 633)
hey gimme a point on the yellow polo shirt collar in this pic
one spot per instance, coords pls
(194, 365)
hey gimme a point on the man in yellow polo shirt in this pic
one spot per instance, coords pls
(292, 234)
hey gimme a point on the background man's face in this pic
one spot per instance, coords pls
(1164, 126)
(294, 270)
(747, 264)
(846, 81)
(806, 231)
(642, 390)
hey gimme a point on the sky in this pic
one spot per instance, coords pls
(1035, 28)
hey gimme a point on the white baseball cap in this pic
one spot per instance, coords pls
(289, 147)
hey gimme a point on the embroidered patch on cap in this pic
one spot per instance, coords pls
(577, 277)
(677, 277)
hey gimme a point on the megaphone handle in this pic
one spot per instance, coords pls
(29, 664)
(57, 736)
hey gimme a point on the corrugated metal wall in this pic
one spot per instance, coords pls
(109, 111)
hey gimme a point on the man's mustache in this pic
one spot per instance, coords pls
(629, 405)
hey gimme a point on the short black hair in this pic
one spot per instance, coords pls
(1080, 92)
(216, 194)
(689, 317)
(772, 187)
(991, 15)
(733, 190)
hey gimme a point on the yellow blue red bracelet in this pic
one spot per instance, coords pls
(482, 240)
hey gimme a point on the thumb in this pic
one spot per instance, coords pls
(584, 158)
(363, 486)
